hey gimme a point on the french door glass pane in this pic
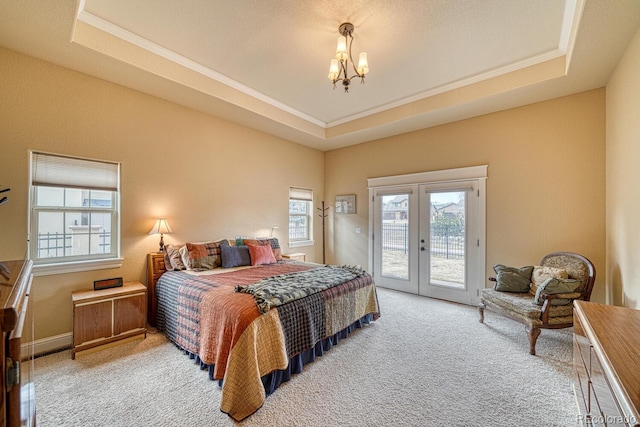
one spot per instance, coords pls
(395, 236)
(447, 239)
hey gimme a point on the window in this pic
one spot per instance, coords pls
(75, 212)
(300, 217)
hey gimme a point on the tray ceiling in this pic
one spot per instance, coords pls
(265, 64)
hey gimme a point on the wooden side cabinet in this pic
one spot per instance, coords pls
(108, 315)
(298, 256)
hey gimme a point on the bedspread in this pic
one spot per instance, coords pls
(243, 345)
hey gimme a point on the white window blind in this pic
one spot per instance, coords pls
(300, 194)
(59, 171)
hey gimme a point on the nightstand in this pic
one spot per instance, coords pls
(108, 315)
(297, 256)
(155, 268)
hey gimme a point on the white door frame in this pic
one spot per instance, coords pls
(478, 173)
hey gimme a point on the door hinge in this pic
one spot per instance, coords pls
(13, 373)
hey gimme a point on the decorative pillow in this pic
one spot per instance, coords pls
(204, 256)
(261, 254)
(272, 241)
(511, 279)
(234, 256)
(184, 256)
(172, 258)
(240, 240)
(540, 274)
(556, 286)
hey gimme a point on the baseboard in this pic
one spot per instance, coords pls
(49, 344)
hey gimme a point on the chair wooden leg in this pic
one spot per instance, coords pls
(533, 333)
(481, 311)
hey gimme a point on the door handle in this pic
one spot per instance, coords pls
(422, 248)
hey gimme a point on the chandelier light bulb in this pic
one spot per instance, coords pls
(363, 64)
(341, 50)
(334, 70)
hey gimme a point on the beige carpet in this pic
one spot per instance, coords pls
(423, 363)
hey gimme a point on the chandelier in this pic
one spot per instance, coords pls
(338, 71)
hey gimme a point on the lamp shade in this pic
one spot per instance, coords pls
(334, 71)
(363, 63)
(161, 227)
(341, 49)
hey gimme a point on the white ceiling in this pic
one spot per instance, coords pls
(264, 64)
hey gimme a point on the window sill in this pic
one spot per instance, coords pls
(300, 243)
(74, 267)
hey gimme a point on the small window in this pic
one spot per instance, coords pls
(75, 209)
(300, 217)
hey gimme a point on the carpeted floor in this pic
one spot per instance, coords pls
(423, 363)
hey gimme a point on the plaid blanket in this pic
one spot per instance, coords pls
(278, 290)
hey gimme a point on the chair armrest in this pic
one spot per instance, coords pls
(547, 303)
(572, 295)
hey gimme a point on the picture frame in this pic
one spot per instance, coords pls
(346, 204)
(114, 282)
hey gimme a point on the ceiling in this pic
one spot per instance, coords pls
(265, 64)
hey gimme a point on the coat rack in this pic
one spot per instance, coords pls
(323, 215)
(5, 199)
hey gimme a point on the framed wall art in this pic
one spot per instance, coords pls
(346, 204)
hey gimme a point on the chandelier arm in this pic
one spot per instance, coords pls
(353, 64)
(344, 64)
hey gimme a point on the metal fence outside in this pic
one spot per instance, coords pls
(447, 240)
(51, 245)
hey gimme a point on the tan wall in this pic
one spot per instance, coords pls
(623, 178)
(210, 178)
(546, 185)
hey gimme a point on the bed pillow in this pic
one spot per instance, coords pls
(261, 254)
(235, 256)
(511, 279)
(172, 258)
(204, 256)
(540, 274)
(240, 240)
(556, 286)
(272, 241)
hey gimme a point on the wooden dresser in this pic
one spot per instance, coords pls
(16, 355)
(606, 360)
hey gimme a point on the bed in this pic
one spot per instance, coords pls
(252, 318)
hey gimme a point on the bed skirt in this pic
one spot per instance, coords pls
(273, 380)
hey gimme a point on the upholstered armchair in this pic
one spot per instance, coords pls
(545, 310)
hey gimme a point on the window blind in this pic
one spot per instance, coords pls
(52, 170)
(300, 194)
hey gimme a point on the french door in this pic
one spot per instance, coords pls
(428, 238)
